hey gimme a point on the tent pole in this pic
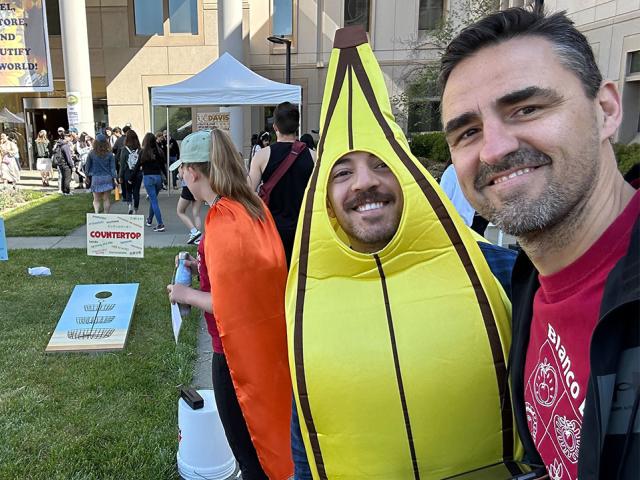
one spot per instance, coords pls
(169, 176)
(300, 112)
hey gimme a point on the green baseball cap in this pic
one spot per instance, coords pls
(195, 148)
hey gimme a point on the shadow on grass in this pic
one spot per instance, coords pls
(50, 216)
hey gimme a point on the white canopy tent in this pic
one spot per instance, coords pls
(226, 82)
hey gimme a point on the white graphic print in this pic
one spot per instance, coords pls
(555, 470)
(532, 420)
(545, 384)
(568, 436)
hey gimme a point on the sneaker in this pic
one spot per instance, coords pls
(193, 237)
(148, 223)
(130, 208)
(159, 228)
(197, 241)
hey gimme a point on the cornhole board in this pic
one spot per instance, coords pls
(96, 318)
(4, 251)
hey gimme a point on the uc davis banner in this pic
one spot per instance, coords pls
(115, 235)
(25, 65)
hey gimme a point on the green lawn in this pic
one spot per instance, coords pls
(48, 215)
(89, 416)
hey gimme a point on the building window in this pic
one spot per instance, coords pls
(53, 17)
(424, 117)
(183, 16)
(430, 14)
(356, 12)
(282, 18)
(634, 62)
(149, 17)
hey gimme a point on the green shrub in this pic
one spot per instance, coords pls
(627, 155)
(432, 145)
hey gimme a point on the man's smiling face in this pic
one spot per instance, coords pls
(523, 135)
(366, 199)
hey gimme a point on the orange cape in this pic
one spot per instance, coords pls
(248, 273)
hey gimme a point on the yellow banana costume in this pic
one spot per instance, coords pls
(398, 357)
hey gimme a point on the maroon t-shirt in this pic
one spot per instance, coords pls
(566, 308)
(205, 286)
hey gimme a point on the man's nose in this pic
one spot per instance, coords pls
(497, 141)
(364, 179)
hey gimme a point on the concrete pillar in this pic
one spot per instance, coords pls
(77, 74)
(230, 41)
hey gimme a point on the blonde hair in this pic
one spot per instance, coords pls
(42, 137)
(227, 174)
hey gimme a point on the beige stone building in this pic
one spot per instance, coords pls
(138, 44)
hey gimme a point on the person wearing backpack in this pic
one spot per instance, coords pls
(130, 177)
(288, 164)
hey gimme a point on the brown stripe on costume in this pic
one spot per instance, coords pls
(396, 364)
(303, 265)
(353, 59)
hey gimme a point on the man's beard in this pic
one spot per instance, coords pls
(521, 215)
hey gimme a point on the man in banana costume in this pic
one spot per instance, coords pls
(398, 330)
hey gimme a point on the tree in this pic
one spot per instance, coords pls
(419, 104)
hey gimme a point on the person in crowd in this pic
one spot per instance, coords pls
(151, 162)
(101, 168)
(73, 139)
(60, 132)
(8, 165)
(311, 144)
(530, 140)
(174, 152)
(121, 135)
(130, 177)
(286, 196)
(398, 319)
(241, 247)
(13, 137)
(83, 147)
(254, 145)
(43, 157)
(63, 158)
(111, 138)
(194, 223)
(258, 143)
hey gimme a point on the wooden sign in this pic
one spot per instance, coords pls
(96, 318)
(115, 235)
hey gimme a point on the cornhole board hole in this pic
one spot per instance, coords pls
(96, 318)
(3, 242)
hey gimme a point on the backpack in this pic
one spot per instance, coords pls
(57, 158)
(133, 159)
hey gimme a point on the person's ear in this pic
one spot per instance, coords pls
(330, 211)
(610, 113)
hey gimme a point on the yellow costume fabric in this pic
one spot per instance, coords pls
(398, 357)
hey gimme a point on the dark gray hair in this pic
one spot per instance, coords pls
(572, 48)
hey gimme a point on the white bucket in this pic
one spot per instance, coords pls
(203, 451)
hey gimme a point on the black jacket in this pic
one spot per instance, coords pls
(610, 438)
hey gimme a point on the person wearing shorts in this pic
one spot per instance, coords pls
(193, 222)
